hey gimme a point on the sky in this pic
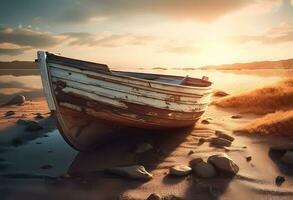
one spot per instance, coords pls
(148, 33)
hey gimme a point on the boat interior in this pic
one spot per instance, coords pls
(178, 80)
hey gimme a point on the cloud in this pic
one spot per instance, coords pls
(107, 39)
(280, 34)
(12, 52)
(207, 10)
(27, 37)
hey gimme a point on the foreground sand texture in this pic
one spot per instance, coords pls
(43, 166)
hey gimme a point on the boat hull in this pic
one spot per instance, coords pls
(90, 103)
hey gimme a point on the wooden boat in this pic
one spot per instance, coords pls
(90, 101)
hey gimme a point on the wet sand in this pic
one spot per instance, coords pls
(43, 166)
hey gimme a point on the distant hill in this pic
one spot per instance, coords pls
(281, 64)
(18, 65)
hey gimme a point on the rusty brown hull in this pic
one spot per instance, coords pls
(91, 103)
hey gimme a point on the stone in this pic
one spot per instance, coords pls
(223, 163)
(236, 117)
(220, 93)
(134, 172)
(154, 196)
(248, 158)
(46, 167)
(205, 121)
(287, 158)
(279, 180)
(144, 147)
(33, 126)
(39, 116)
(204, 170)
(9, 113)
(201, 141)
(220, 142)
(18, 99)
(171, 197)
(180, 170)
(220, 134)
(190, 152)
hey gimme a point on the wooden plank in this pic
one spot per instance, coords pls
(46, 80)
(188, 90)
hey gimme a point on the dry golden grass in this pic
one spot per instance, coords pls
(278, 123)
(261, 101)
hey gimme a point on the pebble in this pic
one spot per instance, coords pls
(220, 142)
(236, 117)
(154, 196)
(220, 93)
(279, 180)
(205, 121)
(18, 99)
(134, 172)
(223, 163)
(220, 134)
(46, 167)
(180, 170)
(9, 113)
(248, 158)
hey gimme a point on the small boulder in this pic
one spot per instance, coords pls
(223, 163)
(9, 113)
(220, 134)
(203, 169)
(279, 180)
(134, 172)
(287, 158)
(180, 170)
(17, 100)
(143, 147)
(220, 142)
(154, 196)
(33, 126)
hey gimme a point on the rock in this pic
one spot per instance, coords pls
(248, 158)
(279, 180)
(143, 148)
(220, 134)
(180, 170)
(18, 99)
(204, 170)
(190, 152)
(9, 113)
(220, 142)
(205, 121)
(171, 197)
(33, 126)
(201, 141)
(154, 196)
(39, 116)
(236, 117)
(195, 161)
(134, 172)
(223, 163)
(46, 167)
(287, 158)
(220, 93)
